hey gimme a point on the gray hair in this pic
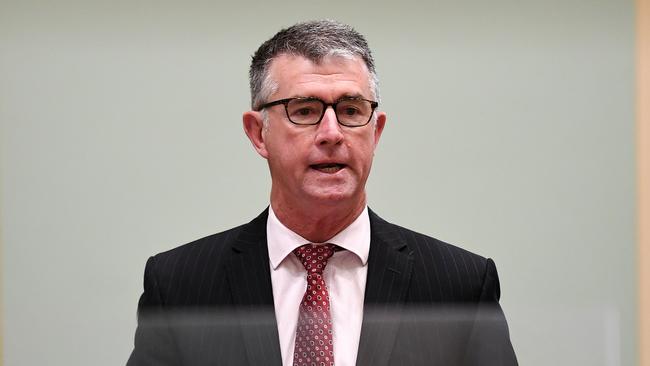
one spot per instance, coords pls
(314, 40)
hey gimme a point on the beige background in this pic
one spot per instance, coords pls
(643, 173)
(510, 133)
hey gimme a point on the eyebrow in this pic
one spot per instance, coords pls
(344, 96)
(355, 95)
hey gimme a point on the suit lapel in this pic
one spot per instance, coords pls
(390, 264)
(250, 283)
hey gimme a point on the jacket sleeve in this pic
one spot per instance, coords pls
(154, 342)
(489, 343)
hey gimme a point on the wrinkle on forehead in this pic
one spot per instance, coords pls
(327, 78)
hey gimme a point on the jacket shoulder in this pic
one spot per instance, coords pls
(418, 241)
(195, 273)
(210, 245)
(217, 241)
(441, 271)
(423, 242)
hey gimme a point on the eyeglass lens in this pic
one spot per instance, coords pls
(352, 112)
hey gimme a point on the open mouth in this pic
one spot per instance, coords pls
(329, 168)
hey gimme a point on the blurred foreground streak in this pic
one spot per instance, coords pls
(406, 335)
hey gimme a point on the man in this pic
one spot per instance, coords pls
(318, 278)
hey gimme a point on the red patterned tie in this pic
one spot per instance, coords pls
(314, 331)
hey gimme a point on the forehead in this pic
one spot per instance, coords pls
(331, 78)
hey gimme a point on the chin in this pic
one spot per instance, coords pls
(332, 197)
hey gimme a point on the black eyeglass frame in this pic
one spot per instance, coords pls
(286, 101)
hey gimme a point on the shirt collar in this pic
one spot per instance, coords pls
(282, 241)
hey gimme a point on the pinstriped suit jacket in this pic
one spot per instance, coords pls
(210, 302)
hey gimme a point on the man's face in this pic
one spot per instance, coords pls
(325, 163)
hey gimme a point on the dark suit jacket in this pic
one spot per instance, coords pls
(210, 302)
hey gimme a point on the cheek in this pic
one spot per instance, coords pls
(280, 143)
(286, 155)
(364, 151)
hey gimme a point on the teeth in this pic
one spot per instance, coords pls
(328, 168)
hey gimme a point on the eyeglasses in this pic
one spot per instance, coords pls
(350, 111)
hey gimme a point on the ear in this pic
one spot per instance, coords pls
(379, 126)
(254, 127)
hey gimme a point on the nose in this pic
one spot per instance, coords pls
(329, 130)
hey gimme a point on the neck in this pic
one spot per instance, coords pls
(317, 223)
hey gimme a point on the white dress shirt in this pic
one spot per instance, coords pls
(345, 276)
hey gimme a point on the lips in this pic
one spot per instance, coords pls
(329, 168)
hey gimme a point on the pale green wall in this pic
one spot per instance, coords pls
(510, 133)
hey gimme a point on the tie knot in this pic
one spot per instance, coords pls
(314, 257)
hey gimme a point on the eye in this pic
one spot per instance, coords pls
(304, 111)
(350, 110)
(303, 107)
